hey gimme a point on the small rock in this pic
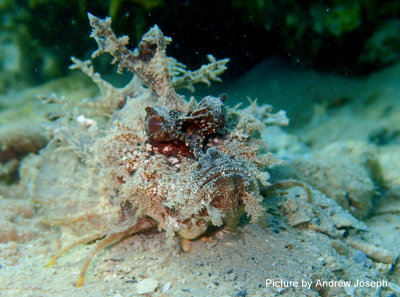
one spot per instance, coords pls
(186, 245)
(340, 247)
(359, 256)
(146, 286)
(126, 269)
(241, 293)
(377, 253)
(280, 290)
(330, 260)
(166, 287)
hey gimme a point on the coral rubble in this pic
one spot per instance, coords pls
(353, 188)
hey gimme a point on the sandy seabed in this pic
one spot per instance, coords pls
(350, 231)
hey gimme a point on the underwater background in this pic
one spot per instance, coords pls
(331, 67)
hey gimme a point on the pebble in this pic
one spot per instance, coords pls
(186, 244)
(166, 287)
(330, 260)
(146, 286)
(126, 269)
(241, 293)
(359, 256)
(280, 290)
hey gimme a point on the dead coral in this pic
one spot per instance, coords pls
(389, 163)
(354, 187)
(374, 252)
(18, 140)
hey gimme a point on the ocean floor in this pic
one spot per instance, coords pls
(343, 141)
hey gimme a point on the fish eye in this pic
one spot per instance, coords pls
(155, 125)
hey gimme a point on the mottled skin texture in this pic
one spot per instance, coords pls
(166, 162)
(164, 125)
